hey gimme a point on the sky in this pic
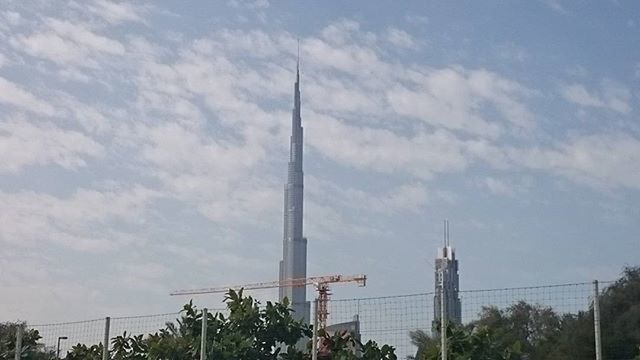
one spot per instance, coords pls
(144, 146)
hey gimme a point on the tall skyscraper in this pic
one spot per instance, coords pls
(294, 247)
(447, 278)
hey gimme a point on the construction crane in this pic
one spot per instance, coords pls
(321, 283)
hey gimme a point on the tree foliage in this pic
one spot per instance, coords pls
(465, 343)
(249, 332)
(31, 349)
(536, 332)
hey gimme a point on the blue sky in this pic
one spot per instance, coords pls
(144, 145)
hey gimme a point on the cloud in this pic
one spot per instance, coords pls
(403, 198)
(31, 219)
(505, 187)
(331, 95)
(42, 285)
(614, 96)
(336, 226)
(13, 94)
(400, 38)
(417, 19)
(452, 98)
(65, 43)
(216, 175)
(604, 161)
(341, 32)
(511, 51)
(249, 4)
(214, 71)
(144, 276)
(25, 144)
(421, 155)
(555, 5)
(117, 12)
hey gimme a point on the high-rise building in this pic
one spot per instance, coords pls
(447, 278)
(294, 247)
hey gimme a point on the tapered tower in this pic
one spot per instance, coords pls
(294, 247)
(447, 283)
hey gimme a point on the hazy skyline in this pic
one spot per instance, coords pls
(144, 146)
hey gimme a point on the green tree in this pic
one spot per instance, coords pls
(249, 332)
(538, 333)
(421, 340)
(535, 328)
(31, 349)
(620, 316)
(84, 352)
(344, 346)
(464, 343)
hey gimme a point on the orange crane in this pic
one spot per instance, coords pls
(321, 283)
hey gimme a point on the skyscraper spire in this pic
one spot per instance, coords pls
(294, 247)
(298, 63)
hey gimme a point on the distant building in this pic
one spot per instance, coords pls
(351, 327)
(447, 277)
(348, 328)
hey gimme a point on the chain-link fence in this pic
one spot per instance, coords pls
(60, 337)
(386, 320)
(389, 320)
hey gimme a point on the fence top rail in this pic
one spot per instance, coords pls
(526, 287)
(144, 316)
(66, 323)
(211, 311)
(477, 290)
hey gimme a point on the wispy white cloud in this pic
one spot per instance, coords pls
(511, 51)
(24, 144)
(400, 38)
(506, 187)
(603, 161)
(421, 155)
(13, 94)
(117, 12)
(555, 5)
(78, 222)
(65, 43)
(613, 96)
(451, 98)
(336, 226)
(11, 18)
(404, 198)
(250, 4)
(417, 19)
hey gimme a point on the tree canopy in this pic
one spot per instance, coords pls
(249, 332)
(31, 348)
(535, 332)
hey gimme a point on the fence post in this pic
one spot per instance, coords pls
(314, 338)
(105, 344)
(18, 351)
(203, 335)
(596, 320)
